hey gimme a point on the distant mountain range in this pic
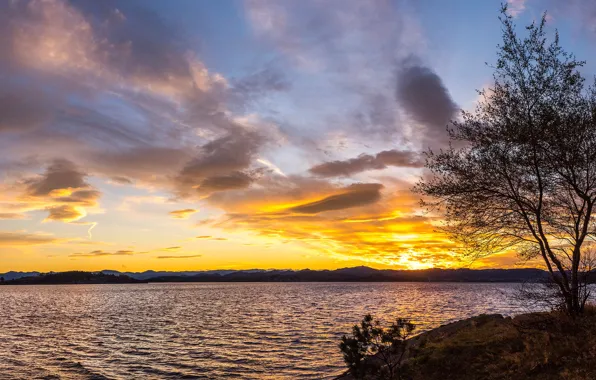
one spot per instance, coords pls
(357, 274)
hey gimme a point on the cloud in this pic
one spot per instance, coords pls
(22, 109)
(144, 99)
(178, 257)
(259, 84)
(209, 237)
(219, 165)
(100, 253)
(421, 93)
(62, 190)
(24, 238)
(59, 175)
(87, 197)
(118, 94)
(12, 215)
(516, 7)
(581, 12)
(353, 196)
(231, 181)
(182, 214)
(388, 231)
(65, 213)
(348, 50)
(171, 248)
(149, 164)
(225, 154)
(366, 162)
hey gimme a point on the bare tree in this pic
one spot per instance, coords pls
(520, 171)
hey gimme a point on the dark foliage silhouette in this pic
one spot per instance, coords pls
(374, 352)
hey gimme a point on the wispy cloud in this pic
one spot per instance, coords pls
(209, 237)
(24, 238)
(179, 257)
(100, 253)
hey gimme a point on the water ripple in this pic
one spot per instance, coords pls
(212, 331)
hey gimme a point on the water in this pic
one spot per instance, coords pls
(215, 330)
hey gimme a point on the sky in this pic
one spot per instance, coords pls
(195, 135)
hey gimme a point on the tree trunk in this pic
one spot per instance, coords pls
(574, 307)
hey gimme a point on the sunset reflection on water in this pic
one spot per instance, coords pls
(241, 330)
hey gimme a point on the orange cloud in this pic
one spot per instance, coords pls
(356, 222)
(182, 214)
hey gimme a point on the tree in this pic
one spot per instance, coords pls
(520, 171)
(375, 352)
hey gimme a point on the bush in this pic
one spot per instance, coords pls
(376, 352)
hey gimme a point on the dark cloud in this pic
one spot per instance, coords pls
(226, 154)
(219, 165)
(22, 109)
(353, 196)
(232, 181)
(366, 162)
(60, 174)
(421, 93)
(23, 238)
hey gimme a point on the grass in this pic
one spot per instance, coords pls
(529, 346)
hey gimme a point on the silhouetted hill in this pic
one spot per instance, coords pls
(357, 274)
(14, 275)
(75, 277)
(363, 274)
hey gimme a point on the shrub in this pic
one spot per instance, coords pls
(376, 352)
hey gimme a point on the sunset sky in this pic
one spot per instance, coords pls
(189, 135)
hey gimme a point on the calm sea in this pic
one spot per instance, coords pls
(215, 330)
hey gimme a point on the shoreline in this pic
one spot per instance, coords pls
(543, 345)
